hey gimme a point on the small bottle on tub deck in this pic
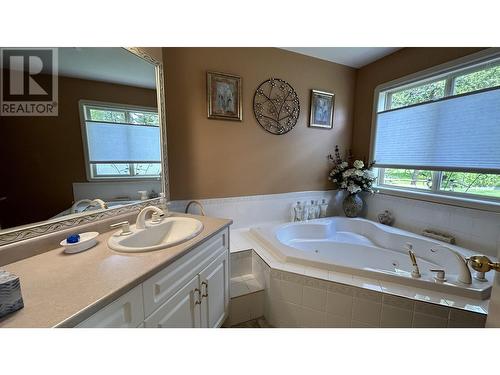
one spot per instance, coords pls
(323, 207)
(318, 209)
(297, 212)
(312, 211)
(305, 211)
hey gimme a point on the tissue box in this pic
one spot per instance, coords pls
(10, 293)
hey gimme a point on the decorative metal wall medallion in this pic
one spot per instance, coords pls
(276, 106)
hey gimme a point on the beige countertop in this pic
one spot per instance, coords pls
(62, 289)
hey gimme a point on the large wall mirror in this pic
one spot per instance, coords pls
(102, 155)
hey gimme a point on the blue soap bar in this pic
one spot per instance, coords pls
(74, 238)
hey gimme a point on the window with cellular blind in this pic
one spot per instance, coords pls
(442, 133)
(121, 142)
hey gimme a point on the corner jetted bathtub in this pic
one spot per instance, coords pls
(365, 248)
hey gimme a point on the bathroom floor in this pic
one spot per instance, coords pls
(254, 323)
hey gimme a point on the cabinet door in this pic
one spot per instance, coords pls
(180, 310)
(214, 281)
(162, 286)
(125, 312)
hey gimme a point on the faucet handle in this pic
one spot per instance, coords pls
(440, 275)
(156, 217)
(125, 227)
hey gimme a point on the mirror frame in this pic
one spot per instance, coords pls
(28, 231)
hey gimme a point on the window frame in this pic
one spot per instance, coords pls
(90, 168)
(381, 102)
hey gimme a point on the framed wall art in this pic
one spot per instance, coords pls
(322, 107)
(224, 96)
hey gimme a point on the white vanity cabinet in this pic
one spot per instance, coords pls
(214, 281)
(125, 312)
(182, 310)
(202, 302)
(191, 292)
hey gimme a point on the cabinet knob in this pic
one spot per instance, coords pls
(198, 300)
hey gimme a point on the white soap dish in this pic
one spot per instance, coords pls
(87, 240)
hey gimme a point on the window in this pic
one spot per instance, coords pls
(440, 133)
(121, 142)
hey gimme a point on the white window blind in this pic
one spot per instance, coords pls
(456, 133)
(122, 143)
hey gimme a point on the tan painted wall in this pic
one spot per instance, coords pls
(403, 62)
(215, 158)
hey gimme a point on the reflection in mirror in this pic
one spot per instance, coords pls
(100, 152)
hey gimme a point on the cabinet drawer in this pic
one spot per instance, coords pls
(167, 282)
(125, 312)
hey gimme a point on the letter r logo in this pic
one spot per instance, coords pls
(29, 76)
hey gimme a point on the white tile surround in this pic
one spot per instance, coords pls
(257, 209)
(292, 300)
(304, 297)
(109, 191)
(246, 290)
(245, 284)
(473, 229)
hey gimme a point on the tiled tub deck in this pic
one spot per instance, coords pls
(307, 297)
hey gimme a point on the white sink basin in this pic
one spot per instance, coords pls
(170, 232)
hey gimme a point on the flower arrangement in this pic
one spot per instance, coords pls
(354, 179)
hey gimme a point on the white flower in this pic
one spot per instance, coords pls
(344, 164)
(348, 173)
(358, 173)
(343, 185)
(353, 188)
(358, 164)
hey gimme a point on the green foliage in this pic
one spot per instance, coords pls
(408, 177)
(478, 80)
(140, 118)
(466, 181)
(105, 115)
(143, 118)
(481, 79)
(459, 182)
(419, 94)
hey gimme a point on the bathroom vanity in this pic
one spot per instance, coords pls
(186, 285)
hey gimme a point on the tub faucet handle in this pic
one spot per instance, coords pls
(440, 275)
(415, 273)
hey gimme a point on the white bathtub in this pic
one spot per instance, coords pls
(365, 248)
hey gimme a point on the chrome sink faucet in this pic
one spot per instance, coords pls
(464, 275)
(141, 218)
(198, 203)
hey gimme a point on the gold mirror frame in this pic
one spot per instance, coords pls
(28, 231)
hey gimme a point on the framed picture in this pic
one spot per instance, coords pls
(322, 106)
(224, 96)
